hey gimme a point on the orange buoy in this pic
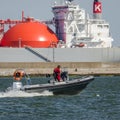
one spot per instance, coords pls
(18, 74)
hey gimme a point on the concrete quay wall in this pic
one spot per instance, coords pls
(80, 68)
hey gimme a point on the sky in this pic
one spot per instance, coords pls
(41, 9)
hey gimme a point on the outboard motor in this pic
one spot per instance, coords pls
(17, 85)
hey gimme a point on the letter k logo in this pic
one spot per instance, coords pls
(97, 7)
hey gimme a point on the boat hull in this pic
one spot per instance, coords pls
(58, 88)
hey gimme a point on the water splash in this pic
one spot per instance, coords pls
(97, 95)
(13, 93)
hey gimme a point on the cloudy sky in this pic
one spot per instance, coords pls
(41, 9)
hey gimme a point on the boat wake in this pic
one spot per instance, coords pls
(13, 93)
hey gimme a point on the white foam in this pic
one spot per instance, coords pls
(97, 95)
(13, 93)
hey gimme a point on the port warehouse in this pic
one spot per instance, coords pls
(76, 60)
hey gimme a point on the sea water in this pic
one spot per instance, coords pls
(99, 101)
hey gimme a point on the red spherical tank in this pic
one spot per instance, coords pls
(33, 34)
